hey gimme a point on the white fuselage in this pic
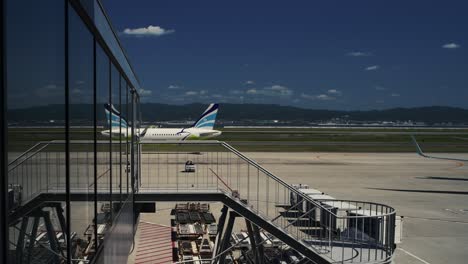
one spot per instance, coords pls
(179, 133)
(156, 134)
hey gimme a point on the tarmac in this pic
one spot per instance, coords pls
(431, 195)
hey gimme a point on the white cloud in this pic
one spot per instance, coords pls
(249, 82)
(372, 68)
(201, 93)
(334, 92)
(173, 87)
(380, 88)
(395, 95)
(274, 90)
(451, 46)
(142, 92)
(278, 90)
(323, 97)
(155, 31)
(359, 54)
(252, 91)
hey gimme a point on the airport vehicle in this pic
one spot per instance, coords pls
(189, 166)
(201, 129)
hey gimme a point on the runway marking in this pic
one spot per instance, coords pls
(414, 256)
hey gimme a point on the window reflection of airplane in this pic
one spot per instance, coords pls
(421, 153)
(201, 129)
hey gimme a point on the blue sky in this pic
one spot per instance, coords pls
(314, 54)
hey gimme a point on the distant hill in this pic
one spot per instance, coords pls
(153, 112)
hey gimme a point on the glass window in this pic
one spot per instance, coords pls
(36, 126)
(104, 121)
(106, 30)
(81, 110)
(116, 133)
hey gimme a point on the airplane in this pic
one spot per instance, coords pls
(201, 129)
(421, 153)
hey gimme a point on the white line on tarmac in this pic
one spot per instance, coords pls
(414, 256)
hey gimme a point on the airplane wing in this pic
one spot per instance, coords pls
(421, 153)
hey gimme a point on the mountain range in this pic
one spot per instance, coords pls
(155, 112)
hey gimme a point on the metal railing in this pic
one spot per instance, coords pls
(41, 169)
(341, 230)
(344, 231)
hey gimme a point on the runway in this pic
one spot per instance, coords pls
(351, 132)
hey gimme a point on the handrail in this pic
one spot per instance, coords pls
(272, 176)
(29, 157)
(26, 152)
(296, 191)
(219, 178)
(47, 143)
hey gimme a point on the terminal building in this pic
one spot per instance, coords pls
(72, 195)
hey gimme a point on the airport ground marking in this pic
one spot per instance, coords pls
(436, 219)
(414, 256)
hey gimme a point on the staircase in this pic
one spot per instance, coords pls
(323, 229)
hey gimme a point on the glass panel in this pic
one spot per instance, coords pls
(103, 148)
(116, 132)
(36, 108)
(122, 139)
(81, 109)
(107, 33)
(128, 104)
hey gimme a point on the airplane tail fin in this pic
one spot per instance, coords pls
(208, 118)
(418, 148)
(114, 117)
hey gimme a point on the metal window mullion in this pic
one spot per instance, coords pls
(95, 144)
(3, 144)
(110, 142)
(67, 133)
(120, 139)
(126, 138)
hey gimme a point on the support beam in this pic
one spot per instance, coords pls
(221, 222)
(32, 238)
(230, 202)
(54, 245)
(227, 236)
(258, 239)
(304, 261)
(20, 243)
(253, 242)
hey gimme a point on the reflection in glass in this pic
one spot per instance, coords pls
(103, 146)
(36, 150)
(81, 110)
